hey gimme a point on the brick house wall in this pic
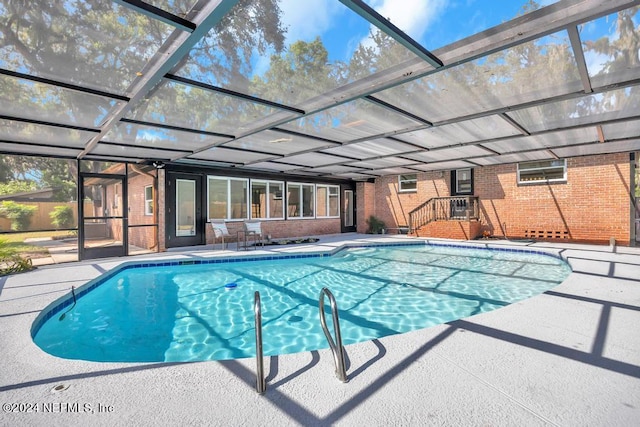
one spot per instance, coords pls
(393, 207)
(277, 229)
(142, 237)
(161, 209)
(365, 204)
(592, 206)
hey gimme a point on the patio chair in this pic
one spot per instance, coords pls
(220, 231)
(254, 228)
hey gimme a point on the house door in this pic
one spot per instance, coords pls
(461, 185)
(185, 219)
(348, 211)
(102, 230)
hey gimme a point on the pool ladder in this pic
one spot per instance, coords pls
(261, 384)
(336, 346)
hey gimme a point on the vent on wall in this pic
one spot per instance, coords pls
(540, 234)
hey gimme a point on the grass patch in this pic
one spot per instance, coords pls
(15, 242)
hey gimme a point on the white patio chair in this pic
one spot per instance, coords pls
(254, 228)
(220, 231)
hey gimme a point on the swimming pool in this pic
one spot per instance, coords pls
(169, 311)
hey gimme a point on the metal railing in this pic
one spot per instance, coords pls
(336, 346)
(261, 384)
(463, 208)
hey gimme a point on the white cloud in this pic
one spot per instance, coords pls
(412, 16)
(305, 20)
(595, 62)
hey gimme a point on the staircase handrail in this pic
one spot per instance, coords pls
(434, 209)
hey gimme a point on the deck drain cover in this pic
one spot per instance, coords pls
(59, 388)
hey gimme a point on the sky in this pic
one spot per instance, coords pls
(433, 23)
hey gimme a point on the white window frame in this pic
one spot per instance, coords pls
(300, 200)
(268, 199)
(328, 199)
(228, 180)
(522, 167)
(403, 182)
(148, 202)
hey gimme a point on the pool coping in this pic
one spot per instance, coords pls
(570, 356)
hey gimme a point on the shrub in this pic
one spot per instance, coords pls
(11, 262)
(375, 225)
(62, 216)
(20, 215)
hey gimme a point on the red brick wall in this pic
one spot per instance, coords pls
(462, 230)
(393, 207)
(142, 237)
(592, 206)
(161, 205)
(365, 204)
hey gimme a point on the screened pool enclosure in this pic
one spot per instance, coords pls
(336, 88)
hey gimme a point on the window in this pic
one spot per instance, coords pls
(327, 201)
(266, 200)
(542, 171)
(148, 200)
(463, 181)
(408, 182)
(300, 200)
(228, 198)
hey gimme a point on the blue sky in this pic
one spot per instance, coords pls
(434, 23)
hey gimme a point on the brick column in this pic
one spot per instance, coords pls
(365, 204)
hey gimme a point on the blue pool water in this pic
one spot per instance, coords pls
(194, 312)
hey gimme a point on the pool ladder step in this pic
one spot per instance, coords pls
(336, 346)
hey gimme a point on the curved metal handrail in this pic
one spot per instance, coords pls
(261, 384)
(336, 346)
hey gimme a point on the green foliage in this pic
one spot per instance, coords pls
(375, 224)
(10, 261)
(17, 186)
(27, 173)
(62, 216)
(20, 215)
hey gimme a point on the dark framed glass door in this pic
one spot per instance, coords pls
(185, 219)
(102, 229)
(348, 211)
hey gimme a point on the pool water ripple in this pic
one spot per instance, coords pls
(188, 313)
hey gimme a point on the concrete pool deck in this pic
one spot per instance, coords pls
(569, 357)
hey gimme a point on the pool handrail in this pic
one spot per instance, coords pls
(261, 384)
(336, 346)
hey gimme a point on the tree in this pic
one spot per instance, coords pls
(302, 73)
(622, 48)
(89, 43)
(14, 186)
(30, 173)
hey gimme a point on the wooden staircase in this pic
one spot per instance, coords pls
(447, 217)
